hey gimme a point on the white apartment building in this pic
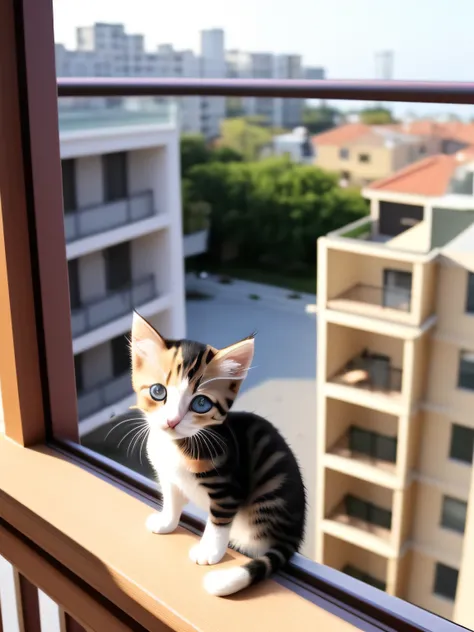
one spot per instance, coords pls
(124, 243)
(106, 50)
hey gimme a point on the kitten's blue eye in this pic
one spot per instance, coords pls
(157, 392)
(201, 404)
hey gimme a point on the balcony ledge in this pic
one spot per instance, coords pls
(100, 537)
(360, 538)
(119, 326)
(364, 470)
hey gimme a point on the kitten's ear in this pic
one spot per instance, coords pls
(146, 342)
(234, 361)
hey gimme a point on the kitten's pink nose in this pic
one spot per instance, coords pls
(172, 423)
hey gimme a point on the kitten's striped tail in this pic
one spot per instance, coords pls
(227, 582)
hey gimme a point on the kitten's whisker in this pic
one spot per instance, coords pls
(124, 421)
(126, 435)
(145, 437)
(136, 438)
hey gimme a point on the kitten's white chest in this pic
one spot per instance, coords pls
(169, 464)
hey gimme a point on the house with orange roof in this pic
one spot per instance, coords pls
(362, 153)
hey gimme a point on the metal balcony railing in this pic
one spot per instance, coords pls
(113, 305)
(90, 401)
(98, 218)
(383, 296)
(372, 372)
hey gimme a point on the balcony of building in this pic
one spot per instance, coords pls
(99, 218)
(365, 368)
(384, 285)
(362, 442)
(359, 512)
(368, 567)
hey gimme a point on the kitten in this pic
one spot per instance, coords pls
(236, 466)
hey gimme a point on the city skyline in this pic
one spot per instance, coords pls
(416, 38)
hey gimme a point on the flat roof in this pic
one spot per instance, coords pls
(74, 120)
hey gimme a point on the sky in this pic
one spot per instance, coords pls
(430, 39)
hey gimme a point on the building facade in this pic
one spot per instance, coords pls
(106, 50)
(362, 153)
(395, 389)
(124, 244)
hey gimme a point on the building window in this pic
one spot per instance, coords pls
(470, 293)
(397, 289)
(118, 266)
(115, 176)
(446, 581)
(353, 571)
(368, 512)
(344, 154)
(364, 158)
(373, 444)
(466, 370)
(462, 443)
(68, 169)
(453, 515)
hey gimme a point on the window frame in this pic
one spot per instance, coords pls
(36, 366)
(439, 566)
(469, 309)
(462, 383)
(455, 426)
(445, 514)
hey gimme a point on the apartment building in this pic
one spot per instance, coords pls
(395, 389)
(124, 243)
(106, 50)
(362, 153)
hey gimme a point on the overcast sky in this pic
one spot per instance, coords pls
(431, 39)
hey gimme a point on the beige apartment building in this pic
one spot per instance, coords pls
(395, 389)
(362, 153)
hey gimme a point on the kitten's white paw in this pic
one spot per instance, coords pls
(206, 552)
(226, 582)
(158, 523)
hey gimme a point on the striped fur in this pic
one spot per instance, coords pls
(235, 465)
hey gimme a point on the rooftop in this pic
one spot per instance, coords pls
(431, 176)
(361, 134)
(129, 113)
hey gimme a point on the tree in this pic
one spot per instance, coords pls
(376, 116)
(226, 154)
(194, 151)
(245, 136)
(270, 213)
(320, 119)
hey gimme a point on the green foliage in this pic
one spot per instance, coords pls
(376, 116)
(320, 119)
(194, 151)
(246, 135)
(226, 154)
(270, 213)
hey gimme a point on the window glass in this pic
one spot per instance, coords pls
(462, 443)
(446, 581)
(453, 514)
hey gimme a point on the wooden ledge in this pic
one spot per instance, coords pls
(96, 530)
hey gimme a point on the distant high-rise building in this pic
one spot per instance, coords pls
(106, 50)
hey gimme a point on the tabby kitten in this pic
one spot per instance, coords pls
(236, 466)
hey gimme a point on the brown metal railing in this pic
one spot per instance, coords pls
(407, 91)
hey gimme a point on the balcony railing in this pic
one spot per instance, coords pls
(113, 305)
(106, 394)
(370, 372)
(384, 296)
(99, 218)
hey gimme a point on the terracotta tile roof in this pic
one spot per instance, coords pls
(342, 134)
(454, 130)
(430, 176)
